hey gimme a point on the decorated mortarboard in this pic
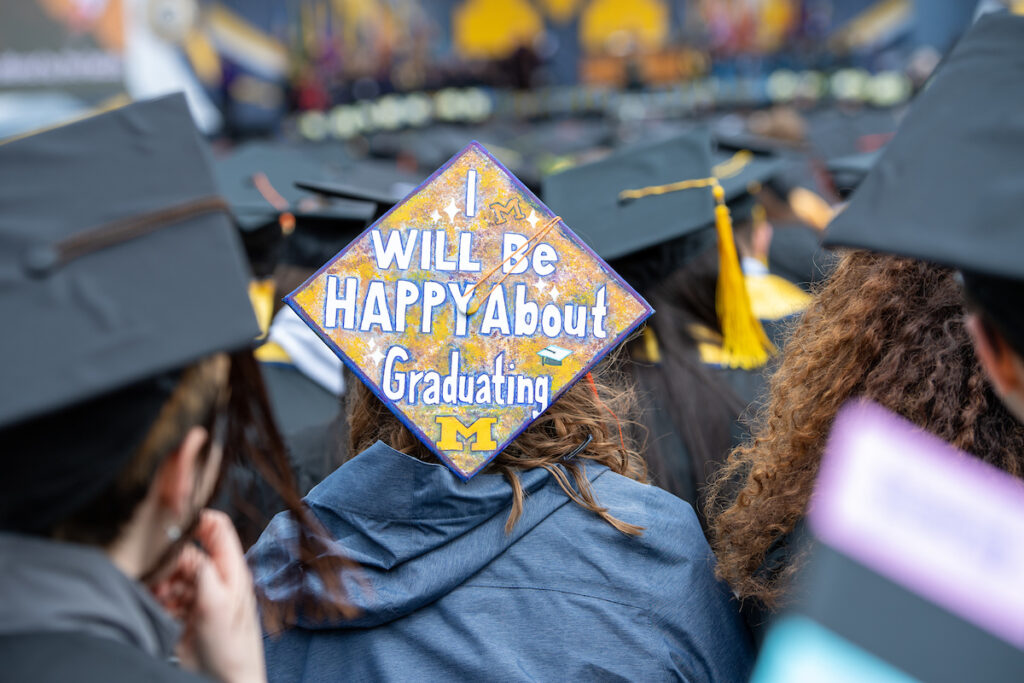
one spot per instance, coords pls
(654, 194)
(120, 265)
(468, 309)
(947, 187)
(915, 565)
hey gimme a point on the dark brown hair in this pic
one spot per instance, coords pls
(191, 403)
(599, 407)
(886, 328)
(224, 394)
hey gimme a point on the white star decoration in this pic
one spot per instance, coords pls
(540, 285)
(376, 356)
(436, 216)
(533, 219)
(451, 210)
(554, 293)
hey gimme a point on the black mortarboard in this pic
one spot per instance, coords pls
(849, 171)
(947, 188)
(841, 131)
(258, 180)
(796, 254)
(120, 264)
(381, 183)
(587, 196)
(657, 194)
(742, 174)
(795, 164)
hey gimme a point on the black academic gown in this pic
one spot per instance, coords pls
(311, 420)
(312, 424)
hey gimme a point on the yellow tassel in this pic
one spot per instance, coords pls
(744, 342)
(743, 339)
(261, 296)
(651, 349)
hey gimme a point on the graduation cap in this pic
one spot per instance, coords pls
(658, 193)
(380, 183)
(468, 309)
(258, 179)
(849, 171)
(742, 174)
(947, 186)
(120, 265)
(841, 131)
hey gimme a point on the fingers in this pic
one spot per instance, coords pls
(176, 591)
(228, 642)
(220, 541)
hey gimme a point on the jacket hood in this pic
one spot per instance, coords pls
(416, 530)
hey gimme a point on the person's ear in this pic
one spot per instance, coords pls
(176, 479)
(996, 357)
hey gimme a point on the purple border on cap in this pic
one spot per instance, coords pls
(426, 440)
(936, 464)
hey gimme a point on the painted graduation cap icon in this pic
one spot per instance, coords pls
(553, 355)
(445, 305)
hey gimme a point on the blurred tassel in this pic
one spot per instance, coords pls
(743, 339)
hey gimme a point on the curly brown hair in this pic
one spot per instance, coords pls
(886, 328)
(601, 407)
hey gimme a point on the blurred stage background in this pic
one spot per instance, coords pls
(347, 68)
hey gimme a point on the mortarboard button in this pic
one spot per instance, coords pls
(40, 260)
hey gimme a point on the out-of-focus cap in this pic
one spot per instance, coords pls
(277, 219)
(380, 183)
(848, 172)
(947, 188)
(742, 174)
(587, 196)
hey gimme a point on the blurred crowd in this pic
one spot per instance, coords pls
(787, 446)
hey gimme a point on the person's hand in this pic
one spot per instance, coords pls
(212, 594)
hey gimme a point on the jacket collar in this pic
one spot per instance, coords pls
(48, 586)
(384, 483)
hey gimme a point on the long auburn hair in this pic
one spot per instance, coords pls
(599, 406)
(886, 328)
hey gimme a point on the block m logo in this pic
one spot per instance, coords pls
(500, 212)
(481, 433)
